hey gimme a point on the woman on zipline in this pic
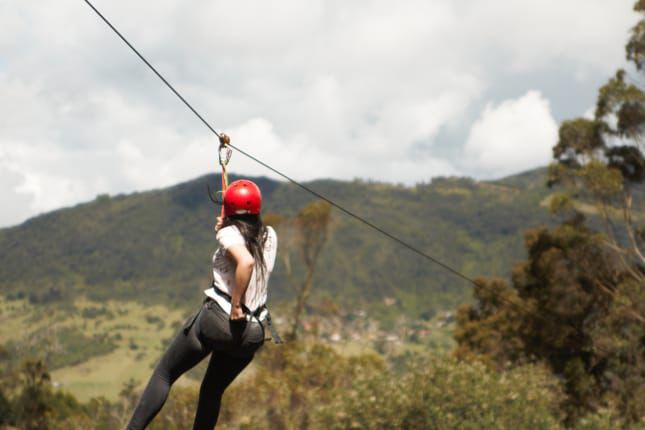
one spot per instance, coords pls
(230, 324)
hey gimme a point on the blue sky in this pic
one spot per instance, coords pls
(322, 88)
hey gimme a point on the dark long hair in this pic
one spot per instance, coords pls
(255, 236)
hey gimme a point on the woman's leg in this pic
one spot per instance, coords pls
(184, 353)
(222, 370)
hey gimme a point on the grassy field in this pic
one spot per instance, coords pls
(137, 332)
(133, 337)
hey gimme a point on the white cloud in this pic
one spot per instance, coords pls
(513, 136)
(15, 204)
(316, 89)
(541, 34)
(41, 182)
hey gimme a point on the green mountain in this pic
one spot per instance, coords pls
(156, 246)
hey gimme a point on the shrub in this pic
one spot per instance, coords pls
(440, 393)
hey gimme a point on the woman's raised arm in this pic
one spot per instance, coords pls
(244, 264)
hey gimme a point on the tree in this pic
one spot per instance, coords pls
(307, 232)
(33, 406)
(179, 411)
(601, 159)
(5, 387)
(312, 223)
(636, 46)
(562, 309)
(285, 226)
(578, 303)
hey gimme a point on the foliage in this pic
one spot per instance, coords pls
(62, 347)
(302, 386)
(601, 160)
(577, 304)
(310, 386)
(437, 393)
(636, 46)
(569, 308)
(308, 231)
(33, 410)
(179, 412)
(30, 403)
(606, 419)
(291, 383)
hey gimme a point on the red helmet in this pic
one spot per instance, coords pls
(242, 197)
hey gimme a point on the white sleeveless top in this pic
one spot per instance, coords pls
(224, 267)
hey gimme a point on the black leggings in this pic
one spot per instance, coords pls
(232, 344)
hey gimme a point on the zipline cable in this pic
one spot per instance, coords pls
(416, 250)
(277, 172)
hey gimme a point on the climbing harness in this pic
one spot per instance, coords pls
(261, 314)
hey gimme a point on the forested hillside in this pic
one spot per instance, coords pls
(157, 245)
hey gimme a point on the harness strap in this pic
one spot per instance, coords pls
(274, 333)
(260, 314)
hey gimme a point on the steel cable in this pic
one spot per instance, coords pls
(274, 170)
(315, 193)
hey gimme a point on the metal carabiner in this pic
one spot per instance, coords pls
(225, 153)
